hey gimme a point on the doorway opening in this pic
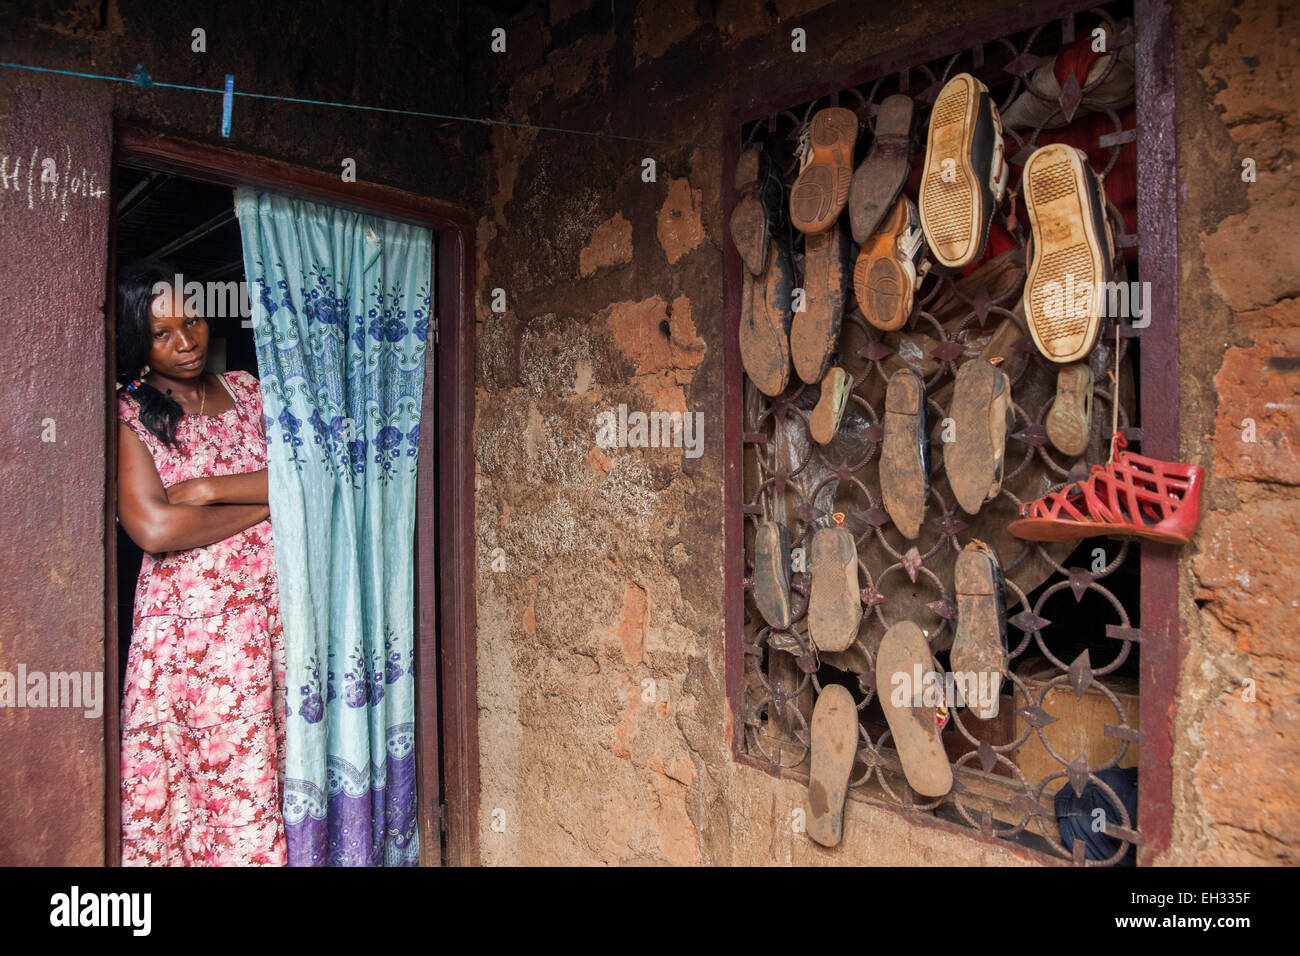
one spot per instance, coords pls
(174, 200)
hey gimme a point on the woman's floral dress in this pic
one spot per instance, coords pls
(202, 724)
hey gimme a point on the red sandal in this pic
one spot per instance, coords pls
(1131, 495)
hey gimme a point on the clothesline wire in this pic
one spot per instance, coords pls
(482, 121)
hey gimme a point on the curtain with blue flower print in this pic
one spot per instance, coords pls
(340, 316)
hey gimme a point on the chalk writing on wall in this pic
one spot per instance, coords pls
(44, 182)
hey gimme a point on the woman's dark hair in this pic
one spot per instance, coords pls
(136, 283)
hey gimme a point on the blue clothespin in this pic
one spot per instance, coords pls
(141, 77)
(227, 104)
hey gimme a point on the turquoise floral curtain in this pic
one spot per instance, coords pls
(340, 317)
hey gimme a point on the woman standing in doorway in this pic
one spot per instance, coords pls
(202, 710)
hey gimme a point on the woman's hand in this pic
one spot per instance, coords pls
(195, 491)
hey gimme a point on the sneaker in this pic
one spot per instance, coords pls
(905, 452)
(1039, 104)
(979, 646)
(982, 418)
(834, 600)
(825, 419)
(890, 268)
(965, 173)
(879, 180)
(760, 208)
(1071, 254)
(1069, 422)
(904, 651)
(772, 573)
(1130, 496)
(826, 169)
(834, 747)
(815, 331)
(765, 319)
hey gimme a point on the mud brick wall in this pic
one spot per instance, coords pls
(612, 577)
(1236, 799)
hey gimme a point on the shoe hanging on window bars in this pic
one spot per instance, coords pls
(1131, 495)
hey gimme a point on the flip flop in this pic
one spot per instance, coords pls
(822, 188)
(772, 573)
(904, 454)
(765, 323)
(880, 178)
(834, 748)
(815, 331)
(825, 419)
(965, 173)
(1069, 422)
(1071, 256)
(979, 646)
(903, 650)
(982, 418)
(835, 600)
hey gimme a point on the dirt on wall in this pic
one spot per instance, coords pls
(602, 694)
(1238, 721)
(602, 679)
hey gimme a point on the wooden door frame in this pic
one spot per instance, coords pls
(445, 613)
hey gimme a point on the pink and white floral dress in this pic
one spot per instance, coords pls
(202, 711)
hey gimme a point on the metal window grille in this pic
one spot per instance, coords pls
(1073, 608)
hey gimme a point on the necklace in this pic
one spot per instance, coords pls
(204, 398)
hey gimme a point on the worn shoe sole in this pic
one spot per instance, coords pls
(904, 651)
(825, 418)
(1069, 422)
(903, 478)
(765, 325)
(749, 223)
(1062, 313)
(815, 331)
(834, 748)
(880, 178)
(954, 211)
(979, 644)
(819, 194)
(979, 410)
(772, 573)
(882, 283)
(835, 601)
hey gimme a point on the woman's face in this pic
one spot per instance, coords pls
(179, 342)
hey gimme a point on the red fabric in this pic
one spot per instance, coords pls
(1076, 58)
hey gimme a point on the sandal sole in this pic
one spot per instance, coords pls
(903, 481)
(825, 418)
(978, 646)
(1066, 253)
(819, 194)
(953, 213)
(834, 600)
(1053, 529)
(749, 233)
(815, 332)
(772, 574)
(834, 749)
(764, 340)
(882, 175)
(971, 459)
(916, 734)
(1069, 422)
